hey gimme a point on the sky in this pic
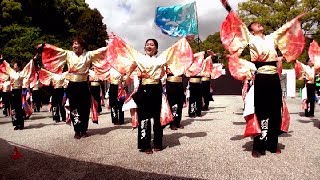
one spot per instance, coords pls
(133, 20)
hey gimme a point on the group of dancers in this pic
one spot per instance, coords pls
(156, 81)
(78, 89)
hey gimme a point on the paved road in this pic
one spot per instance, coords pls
(210, 147)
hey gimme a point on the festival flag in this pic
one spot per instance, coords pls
(178, 20)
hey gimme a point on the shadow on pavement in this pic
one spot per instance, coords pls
(4, 122)
(191, 120)
(104, 131)
(210, 112)
(237, 138)
(316, 122)
(248, 146)
(107, 112)
(239, 113)
(240, 137)
(39, 117)
(41, 125)
(239, 123)
(217, 107)
(172, 140)
(36, 164)
(288, 134)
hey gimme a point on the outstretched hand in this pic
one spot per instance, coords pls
(301, 15)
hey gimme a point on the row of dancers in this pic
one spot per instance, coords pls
(265, 111)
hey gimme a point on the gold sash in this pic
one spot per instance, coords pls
(175, 79)
(77, 77)
(146, 81)
(267, 69)
(205, 79)
(195, 80)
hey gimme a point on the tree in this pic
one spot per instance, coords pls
(26, 23)
(86, 27)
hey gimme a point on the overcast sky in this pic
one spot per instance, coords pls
(133, 20)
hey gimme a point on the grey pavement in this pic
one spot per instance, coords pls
(209, 147)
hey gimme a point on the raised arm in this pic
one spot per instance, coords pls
(196, 66)
(45, 77)
(290, 39)
(121, 56)
(29, 73)
(234, 34)
(5, 70)
(178, 57)
(314, 55)
(54, 58)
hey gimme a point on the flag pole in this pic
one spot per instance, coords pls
(198, 39)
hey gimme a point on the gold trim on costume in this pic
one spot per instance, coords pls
(115, 81)
(16, 87)
(195, 80)
(95, 83)
(175, 79)
(205, 79)
(77, 77)
(150, 81)
(267, 69)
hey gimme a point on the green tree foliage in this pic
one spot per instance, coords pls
(212, 42)
(26, 23)
(88, 21)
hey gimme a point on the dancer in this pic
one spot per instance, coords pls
(6, 95)
(79, 61)
(95, 90)
(268, 104)
(59, 83)
(149, 94)
(17, 74)
(36, 95)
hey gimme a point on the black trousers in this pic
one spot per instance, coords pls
(268, 104)
(57, 106)
(117, 115)
(79, 100)
(175, 96)
(311, 89)
(36, 97)
(195, 100)
(148, 99)
(16, 108)
(6, 102)
(205, 86)
(95, 93)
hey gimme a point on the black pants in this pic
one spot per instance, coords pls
(175, 96)
(205, 86)
(95, 93)
(36, 97)
(195, 100)
(268, 103)
(117, 115)
(79, 100)
(57, 106)
(311, 89)
(6, 102)
(148, 99)
(16, 108)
